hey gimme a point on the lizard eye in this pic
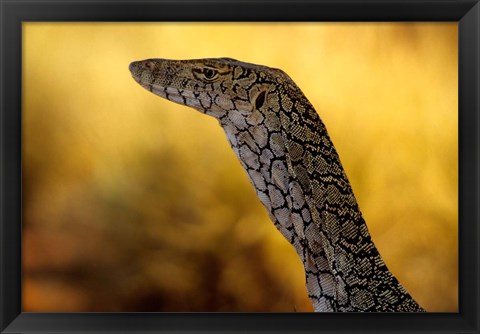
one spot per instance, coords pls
(206, 74)
(209, 73)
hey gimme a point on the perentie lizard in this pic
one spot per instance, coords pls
(284, 147)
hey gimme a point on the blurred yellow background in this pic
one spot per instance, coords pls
(134, 203)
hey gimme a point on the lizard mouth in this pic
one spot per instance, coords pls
(165, 92)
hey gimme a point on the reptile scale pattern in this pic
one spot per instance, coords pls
(285, 149)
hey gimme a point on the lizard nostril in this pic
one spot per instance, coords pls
(148, 65)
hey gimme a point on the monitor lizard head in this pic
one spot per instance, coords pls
(214, 86)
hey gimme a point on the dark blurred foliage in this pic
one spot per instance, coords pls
(151, 242)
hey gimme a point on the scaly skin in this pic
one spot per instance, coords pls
(290, 160)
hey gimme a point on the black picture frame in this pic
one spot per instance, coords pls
(14, 12)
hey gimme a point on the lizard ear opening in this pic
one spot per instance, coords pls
(260, 99)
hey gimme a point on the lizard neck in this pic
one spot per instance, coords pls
(298, 177)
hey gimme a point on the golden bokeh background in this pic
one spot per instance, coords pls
(134, 203)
